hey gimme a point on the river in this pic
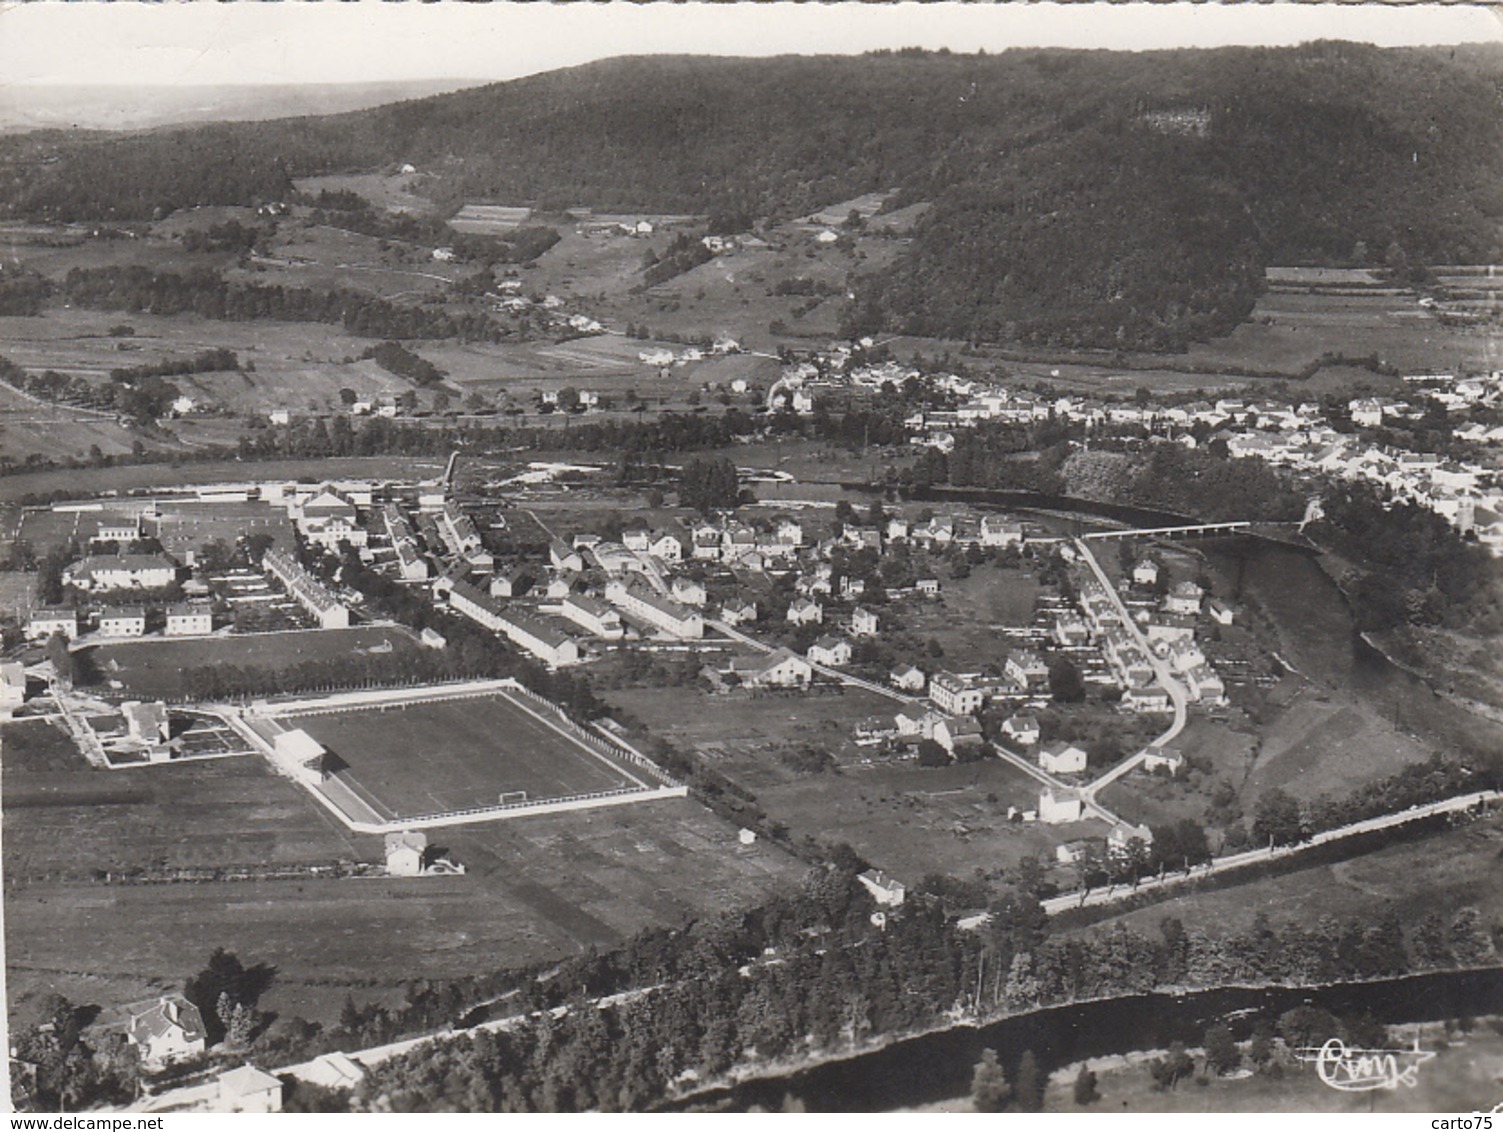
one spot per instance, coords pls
(937, 1066)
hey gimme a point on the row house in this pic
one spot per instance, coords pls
(120, 572)
(188, 619)
(594, 615)
(660, 612)
(123, 621)
(44, 623)
(316, 599)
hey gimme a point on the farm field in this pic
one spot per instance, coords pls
(538, 888)
(972, 613)
(389, 191)
(152, 667)
(444, 755)
(1151, 800)
(1438, 873)
(911, 820)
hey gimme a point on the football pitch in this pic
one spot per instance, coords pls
(437, 756)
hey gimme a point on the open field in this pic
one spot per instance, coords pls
(185, 527)
(912, 820)
(541, 888)
(1149, 799)
(444, 755)
(745, 737)
(87, 482)
(390, 191)
(1438, 873)
(153, 667)
(972, 612)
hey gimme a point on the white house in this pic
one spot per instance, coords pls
(996, 531)
(405, 852)
(782, 668)
(123, 621)
(165, 1030)
(955, 694)
(1062, 758)
(956, 731)
(666, 545)
(737, 611)
(1057, 807)
(44, 622)
(248, 1089)
(1184, 598)
(1145, 573)
(806, 612)
(884, 889)
(120, 572)
(1220, 611)
(830, 650)
(1025, 668)
(189, 619)
(687, 591)
(660, 612)
(1165, 758)
(1022, 729)
(907, 677)
(864, 622)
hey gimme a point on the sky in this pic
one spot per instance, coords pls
(203, 44)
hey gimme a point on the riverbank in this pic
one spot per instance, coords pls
(931, 1066)
(1463, 1076)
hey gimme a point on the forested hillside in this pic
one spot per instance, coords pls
(1083, 198)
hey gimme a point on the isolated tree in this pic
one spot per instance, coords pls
(1222, 1054)
(931, 753)
(1169, 1070)
(1030, 1087)
(63, 661)
(1065, 682)
(348, 396)
(1085, 1087)
(989, 1087)
(1277, 819)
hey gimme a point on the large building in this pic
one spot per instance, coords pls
(593, 614)
(44, 622)
(190, 619)
(544, 640)
(123, 621)
(316, 598)
(121, 572)
(660, 612)
(955, 694)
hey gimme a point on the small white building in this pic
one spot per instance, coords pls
(957, 731)
(1163, 758)
(806, 612)
(884, 889)
(405, 852)
(907, 677)
(248, 1089)
(1022, 729)
(864, 622)
(12, 687)
(1184, 598)
(1145, 573)
(1057, 807)
(1062, 758)
(830, 650)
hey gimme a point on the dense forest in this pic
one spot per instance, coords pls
(1079, 198)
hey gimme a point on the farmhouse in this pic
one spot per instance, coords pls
(1062, 758)
(783, 668)
(907, 677)
(248, 1089)
(165, 1030)
(884, 889)
(315, 598)
(45, 622)
(830, 650)
(957, 695)
(123, 621)
(12, 687)
(120, 572)
(660, 612)
(189, 618)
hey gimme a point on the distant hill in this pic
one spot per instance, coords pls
(1080, 198)
(46, 107)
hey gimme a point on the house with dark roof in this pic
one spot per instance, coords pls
(165, 1030)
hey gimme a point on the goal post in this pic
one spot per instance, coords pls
(510, 796)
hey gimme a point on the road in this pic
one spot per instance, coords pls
(1178, 695)
(1095, 897)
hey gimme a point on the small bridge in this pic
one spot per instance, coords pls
(1153, 532)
